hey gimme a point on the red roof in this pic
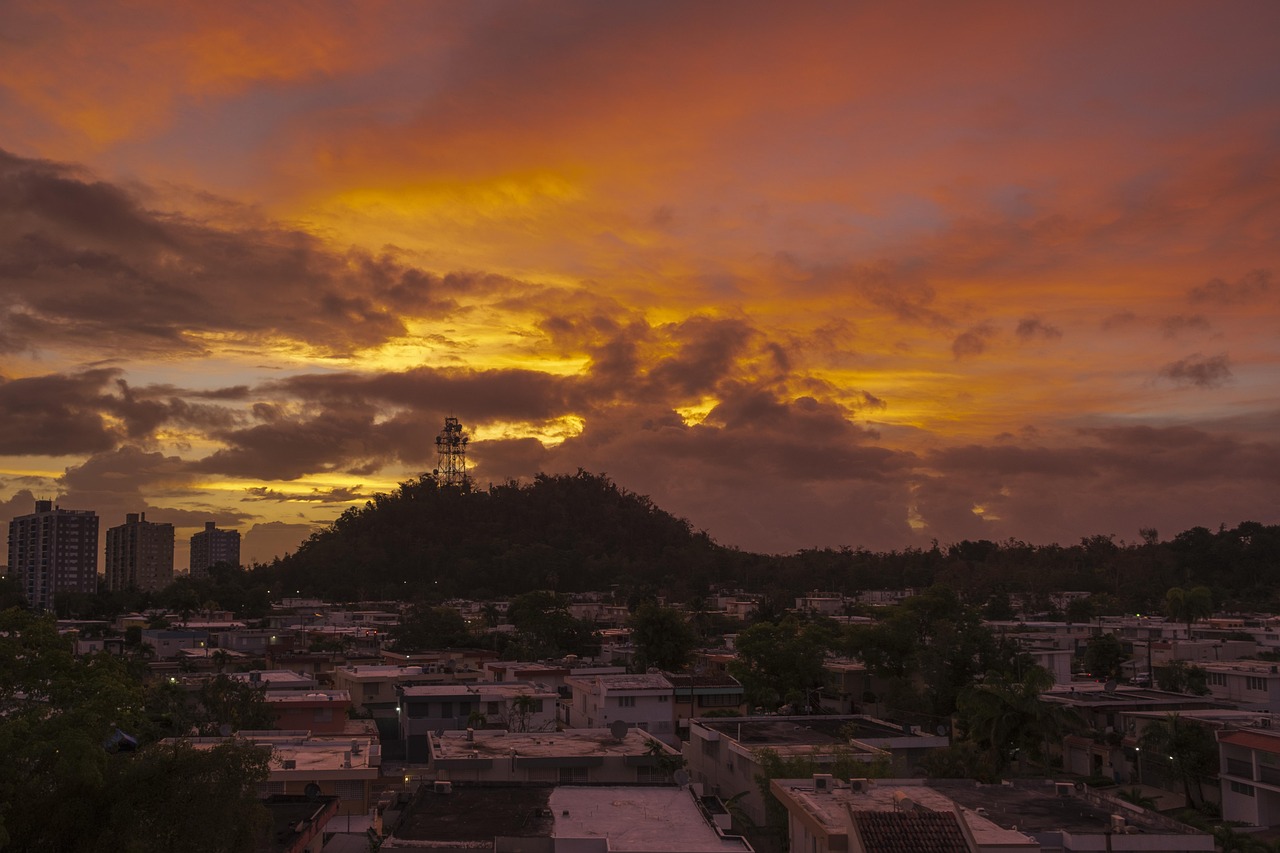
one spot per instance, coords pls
(1252, 740)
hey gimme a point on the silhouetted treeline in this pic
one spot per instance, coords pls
(566, 533)
(582, 532)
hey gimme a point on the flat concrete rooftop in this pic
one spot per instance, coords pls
(801, 731)
(573, 742)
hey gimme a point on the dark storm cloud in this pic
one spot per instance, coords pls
(1254, 285)
(1030, 328)
(708, 351)
(1151, 456)
(128, 469)
(90, 412)
(484, 394)
(1005, 459)
(58, 414)
(759, 471)
(84, 260)
(1108, 480)
(335, 439)
(1199, 371)
(1187, 454)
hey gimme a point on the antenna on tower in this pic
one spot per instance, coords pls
(451, 453)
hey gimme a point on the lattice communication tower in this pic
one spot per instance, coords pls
(451, 454)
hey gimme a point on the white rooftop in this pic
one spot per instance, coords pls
(637, 819)
(488, 743)
(830, 808)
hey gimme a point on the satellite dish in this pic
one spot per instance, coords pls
(941, 730)
(618, 728)
(681, 777)
(312, 791)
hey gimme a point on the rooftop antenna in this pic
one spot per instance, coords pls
(451, 453)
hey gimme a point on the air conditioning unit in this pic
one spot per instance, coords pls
(443, 787)
(823, 782)
(289, 764)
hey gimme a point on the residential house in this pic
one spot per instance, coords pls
(643, 701)
(513, 706)
(1249, 775)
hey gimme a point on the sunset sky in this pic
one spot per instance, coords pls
(806, 274)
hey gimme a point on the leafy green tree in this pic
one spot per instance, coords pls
(930, 648)
(1104, 654)
(1190, 749)
(227, 701)
(546, 628)
(519, 716)
(1006, 717)
(783, 663)
(170, 795)
(426, 627)
(962, 759)
(662, 636)
(1080, 610)
(999, 607)
(56, 709)
(71, 778)
(1182, 677)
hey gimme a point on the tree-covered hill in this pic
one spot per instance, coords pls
(582, 532)
(567, 533)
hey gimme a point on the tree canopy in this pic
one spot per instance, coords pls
(74, 734)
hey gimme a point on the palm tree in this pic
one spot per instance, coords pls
(1002, 716)
(1188, 605)
(1191, 750)
(1134, 795)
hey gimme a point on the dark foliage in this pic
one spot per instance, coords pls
(565, 533)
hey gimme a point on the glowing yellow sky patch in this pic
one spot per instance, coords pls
(697, 413)
(475, 340)
(550, 433)
(412, 215)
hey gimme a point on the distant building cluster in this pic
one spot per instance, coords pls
(455, 749)
(54, 551)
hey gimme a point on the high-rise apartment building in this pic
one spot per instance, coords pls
(139, 554)
(212, 546)
(53, 551)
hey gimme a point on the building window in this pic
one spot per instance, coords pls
(571, 775)
(349, 789)
(663, 697)
(446, 709)
(1252, 682)
(266, 789)
(493, 709)
(650, 775)
(1241, 788)
(718, 700)
(1218, 679)
(626, 701)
